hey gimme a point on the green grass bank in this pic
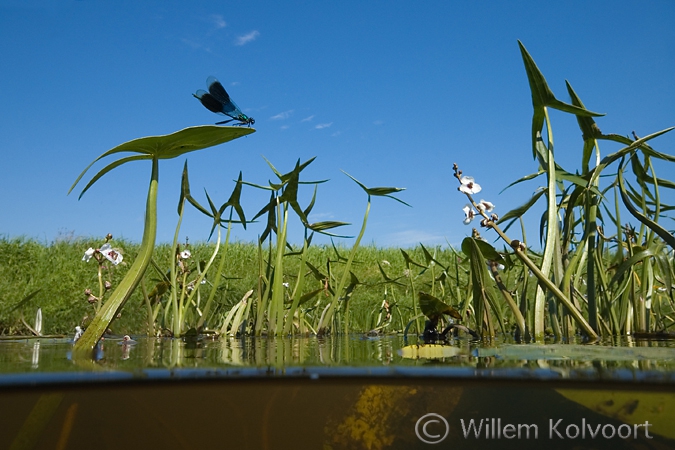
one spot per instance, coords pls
(57, 275)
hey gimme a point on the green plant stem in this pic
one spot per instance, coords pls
(148, 306)
(591, 239)
(520, 320)
(297, 291)
(196, 283)
(276, 311)
(101, 292)
(84, 346)
(548, 284)
(217, 277)
(328, 316)
(175, 301)
(551, 233)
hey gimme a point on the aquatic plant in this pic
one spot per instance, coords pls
(572, 273)
(153, 148)
(329, 312)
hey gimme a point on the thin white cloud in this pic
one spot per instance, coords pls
(323, 125)
(248, 37)
(307, 119)
(192, 44)
(218, 21)
(412, 238)
(282, 115)
(378, 122)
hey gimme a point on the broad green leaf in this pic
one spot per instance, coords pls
(542, 96)
(489, 252)
(433, 307)
(169, 145)
(321, 227)
(481, 286)
(326, 225)
(181, 142)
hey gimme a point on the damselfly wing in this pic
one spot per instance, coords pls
(218, 101)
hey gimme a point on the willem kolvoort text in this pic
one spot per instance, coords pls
(493, 428)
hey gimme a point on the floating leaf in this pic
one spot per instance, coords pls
(429, 351)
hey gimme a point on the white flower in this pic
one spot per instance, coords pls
(469, 214)
(78, 333)
(185, 254)
(88, 254)
(286, 285)
(485, 206)
(110, 254)
(469, 186)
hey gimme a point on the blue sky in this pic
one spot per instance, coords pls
(393, 92)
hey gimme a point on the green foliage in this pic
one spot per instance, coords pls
(58, 271)
(153, 148)
(587, 279)
(596, 275)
